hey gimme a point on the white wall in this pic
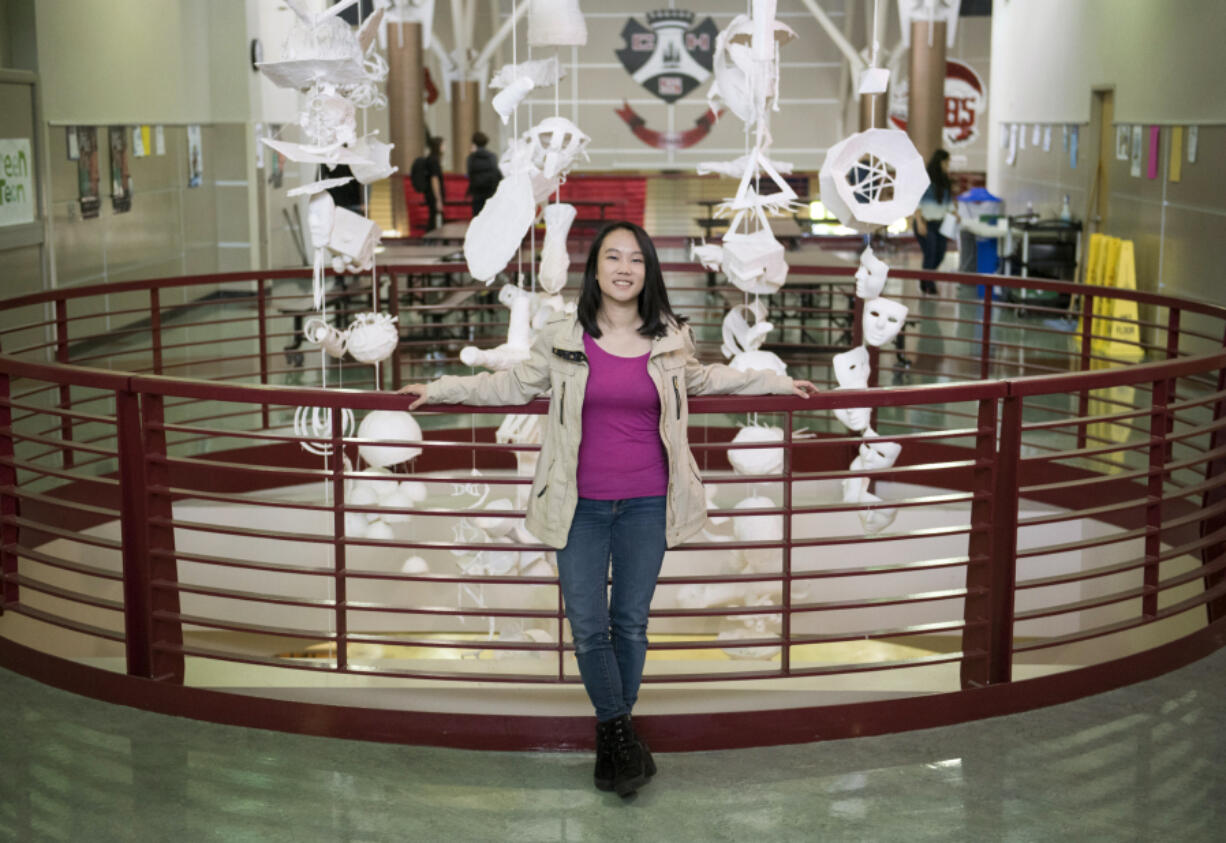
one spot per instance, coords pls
(1163, 57)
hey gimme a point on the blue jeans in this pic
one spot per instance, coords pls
(610, 633)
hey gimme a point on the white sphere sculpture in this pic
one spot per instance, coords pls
(372, 337)
(388, 425)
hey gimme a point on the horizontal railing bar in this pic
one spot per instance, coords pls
(43, 558)
(63, 623)
(63, 593)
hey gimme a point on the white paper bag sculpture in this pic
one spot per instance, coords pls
(389, 425)
(882, 320)
(328, 337)
(851, 368)
(872, 179)
(754, 262)
(757, 461)
(506, 100)
(556, 23)
(518, 346)
(353, 241)
(373, 337)
(555, 260)
(376, 163)
(495, 234)
(871, 276)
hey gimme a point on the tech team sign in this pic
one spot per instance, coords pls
(965, 104)
(16, 181)
(670, 57)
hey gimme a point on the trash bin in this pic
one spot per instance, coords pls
(979, 253)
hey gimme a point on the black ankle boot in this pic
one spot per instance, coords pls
(603, 776)
(629, 756)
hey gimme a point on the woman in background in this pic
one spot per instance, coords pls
(936, 203)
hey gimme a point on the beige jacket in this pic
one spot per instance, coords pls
(558, 365)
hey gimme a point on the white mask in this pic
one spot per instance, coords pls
(851, 368)
(882, 321)
(875, 520)
(870, 277)
(854, 418)
(878, 455)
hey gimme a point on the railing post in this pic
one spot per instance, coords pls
(985, 342)
(261, 315)
(9, 504)
(62, 356)
(785, 666)
(1087, 333)
(1158, 428)
(139, 503)
(994, 544)
(1215, 469)
(167, 629)
(155, 328)
(393, 308)
(338, 534)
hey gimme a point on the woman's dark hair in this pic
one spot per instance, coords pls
(654, 309)
(434, 147)
(941, 185)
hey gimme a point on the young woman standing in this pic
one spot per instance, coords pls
(616, 483)
(936, 203)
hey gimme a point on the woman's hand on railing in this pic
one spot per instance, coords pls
(803, 388)
(418, 389)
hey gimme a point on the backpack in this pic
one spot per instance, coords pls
(419, 175)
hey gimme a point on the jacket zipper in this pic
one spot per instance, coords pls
(562, 407)
(677, 395)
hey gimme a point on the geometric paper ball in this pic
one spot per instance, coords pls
(390, 425)
(873, 178)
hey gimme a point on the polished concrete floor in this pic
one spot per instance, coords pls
(1144, 763)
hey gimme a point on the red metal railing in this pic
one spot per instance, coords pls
(1068, 512)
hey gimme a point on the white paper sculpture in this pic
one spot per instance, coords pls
(758, 528)
(871, 275)
(759, 360)
(882, 320)
(321, 213)
(877, 454)
(854, 418)
(541, 73)
(557, 144)
(389, 425)
(328, 337)
(754, 262)
(373, 337)
(376, 163)
(873, 80)
(756, 461)
(318, 47)
(555, 260)
(518, 346)
(316, 423)
(353, 241)
(746, 77)
(556, 23)
(710, 255)
(735, 169)
(872, 179)
(495, 234)
(877, 519)
(851, 368)
(506, 100)
(415, 565)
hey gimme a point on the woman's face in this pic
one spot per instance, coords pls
(620, 267)
(945, 166)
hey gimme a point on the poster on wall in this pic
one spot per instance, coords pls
(16, 182)
(87, 171)
(1193, 133)
(159, 140)
(195, 157)
(1136, 152)
(1121, 143)
(121, 178)
(74, 151)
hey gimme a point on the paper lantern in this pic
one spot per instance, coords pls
(373, 337)
(872, 179)
(415, 565)
(379, 529)
(388, 425)
(758, 461)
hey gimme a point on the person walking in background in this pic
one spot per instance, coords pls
(936, 203)
(616, 483)
(483, 172)
(426, 176)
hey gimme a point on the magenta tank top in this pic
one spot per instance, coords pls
(620, 454)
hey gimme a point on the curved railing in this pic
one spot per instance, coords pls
(1060, 512)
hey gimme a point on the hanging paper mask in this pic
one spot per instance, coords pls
(882, 320)
(870, 277)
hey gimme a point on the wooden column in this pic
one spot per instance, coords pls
(404, 104)
(926, 90)
(465, 119)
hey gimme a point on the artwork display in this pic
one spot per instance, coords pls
(121, 178)
(1122, 136)
(1136, 152)
(88, 177)
(195, 157)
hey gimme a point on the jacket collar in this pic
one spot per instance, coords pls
(570, 338)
